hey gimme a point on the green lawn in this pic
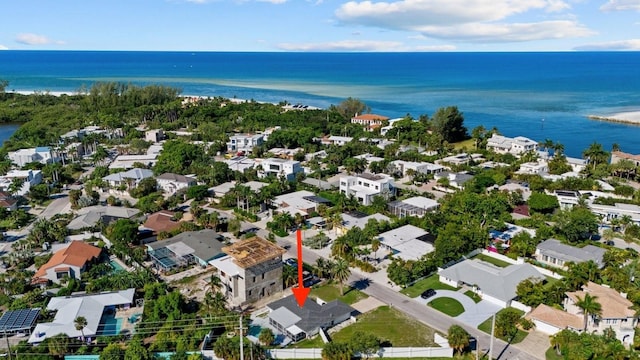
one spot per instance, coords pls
(331, 292)
(315, 342)
(486, 327)
(475, 297)
(391, 326)
(430, 282)
(492, 260)
(550, 354)
(469, 144)
(449, 306)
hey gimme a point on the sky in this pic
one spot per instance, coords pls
(321, 25)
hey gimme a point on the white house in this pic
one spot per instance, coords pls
(456, 180)
(339, 140)
(154, 136)
(577, 164)
(552, 252)
(415, 206)
(29, 178)
(534, 168)
(170, 183)
(407, 242)
(365, 187)
(515, 146)
(616, 211)
(280, 167)
(244, 142)
(129, 161)
(42, 155)
(130, 178)
(417, 167)
(369, 121)
(495, 284)
(457, 159)
(300, 202)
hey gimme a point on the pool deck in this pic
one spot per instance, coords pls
(125, 314)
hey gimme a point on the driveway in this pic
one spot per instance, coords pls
(474, 314)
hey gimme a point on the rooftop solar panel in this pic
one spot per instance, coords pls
(19, 319)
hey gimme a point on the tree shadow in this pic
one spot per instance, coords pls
(360, 284)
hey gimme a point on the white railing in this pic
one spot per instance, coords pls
(385, 352)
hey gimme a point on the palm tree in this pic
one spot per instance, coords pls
(15, 186)
(458, 338)
(80, 322)
(341, 272)
(595, 154)
(375, 246)
(214, 283)
(289, 275)
(590, 306)
(335, 220)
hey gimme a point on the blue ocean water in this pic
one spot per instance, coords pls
(539, 95)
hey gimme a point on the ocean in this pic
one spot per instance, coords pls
(538, 95)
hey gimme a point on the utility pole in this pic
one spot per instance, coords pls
(241, 340)
(493, 328)
(8, 346)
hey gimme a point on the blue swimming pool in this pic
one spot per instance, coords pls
(254, 330)
(116, 266)
(109, 325)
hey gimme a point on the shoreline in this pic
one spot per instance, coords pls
(626, 117)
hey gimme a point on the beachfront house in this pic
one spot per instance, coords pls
(514, 146)
(369, 121)
(42, 155)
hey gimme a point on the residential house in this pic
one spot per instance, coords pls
(417, 167)
(369, 121)
(316, 155)
(154, 136)
(503, 237)
(298, 323)
(577, 164)
(369, 158)
(280, 168)
(171, 183)
(619, 155)
(283, 153)
(385, 129)
(407, 242)
(28, 178)
(617, 311)
(70, 262)
(364, 187)
(616, 211)
(244, 143)
(131, 161)
(224, 188)
(456, 180)
(268, 131)
(22, 321)
(517, 187)
(300, 202)
(495, 284)
(416, 206)
(251, 270)
(551, 321)
(42, 155)
(567, 198)
(515, 146)
(456, 159)
(337, 140)
(552, 252)
(127, 179)
(161, 221)
(240, 163)
(92, 216)
(539, 167)
(93, 307)
(359, 220)
(187, 248)
(7, 201)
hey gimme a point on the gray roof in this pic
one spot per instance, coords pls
(89, 216)
(558, 250)
(311, 316)
(497, 282)
(135, 173)
(204, 244)
(176, 177)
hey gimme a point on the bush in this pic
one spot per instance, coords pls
(526, 324)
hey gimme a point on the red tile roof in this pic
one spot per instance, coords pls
(370, 117)
(161, 221)
(78, 253)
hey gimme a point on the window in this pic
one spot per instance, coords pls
(254, 279)
(262, 276)
(249, 292)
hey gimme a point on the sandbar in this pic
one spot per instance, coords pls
(627, 117)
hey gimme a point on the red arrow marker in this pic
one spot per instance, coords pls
(301, 293)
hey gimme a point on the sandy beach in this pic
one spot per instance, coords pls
(627, 117)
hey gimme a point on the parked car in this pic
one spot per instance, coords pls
(610, 243)
(291, 262)
(427, 293)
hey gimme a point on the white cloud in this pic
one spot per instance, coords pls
(463, 19)
(32, 39)
(345, 45)
(2, 47)
(273, 1)
(631, 44)
(621, 5)
(507, 32)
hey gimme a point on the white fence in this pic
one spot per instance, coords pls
(385, 352)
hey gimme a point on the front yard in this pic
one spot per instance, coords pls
(431, 282)
(330, 292)
(449, 306)
(486, 327)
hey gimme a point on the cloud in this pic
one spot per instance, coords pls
(274, 1)
(621, 5)
(345, 45)
(464, 20)
(631, 44)
(32, 39)
(2, 47)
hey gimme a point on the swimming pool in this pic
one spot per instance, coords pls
(116, 266)
(109, 325)
(254, 330)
